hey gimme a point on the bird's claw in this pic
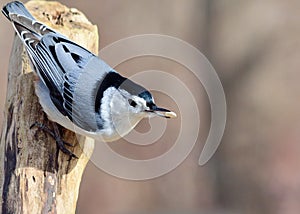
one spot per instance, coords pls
(56, 136)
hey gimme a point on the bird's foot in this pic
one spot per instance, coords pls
(55, 134)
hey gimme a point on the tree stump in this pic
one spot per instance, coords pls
(35, 177)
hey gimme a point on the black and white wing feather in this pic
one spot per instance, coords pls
(58, 61)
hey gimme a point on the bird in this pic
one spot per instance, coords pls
(76, 88)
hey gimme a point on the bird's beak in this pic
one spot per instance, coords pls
(162, 112)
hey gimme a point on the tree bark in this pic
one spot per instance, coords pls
(35, 177)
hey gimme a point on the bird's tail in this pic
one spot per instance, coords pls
(28, 29)
(16, 8)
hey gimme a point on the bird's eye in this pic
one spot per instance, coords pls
(132, 103)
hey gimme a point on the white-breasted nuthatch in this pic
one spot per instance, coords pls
(76, 88)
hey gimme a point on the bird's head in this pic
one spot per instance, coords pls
(143, 105)
(124, 105)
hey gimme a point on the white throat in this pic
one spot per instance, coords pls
(117, 119)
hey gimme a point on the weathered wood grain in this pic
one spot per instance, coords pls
(35, 177)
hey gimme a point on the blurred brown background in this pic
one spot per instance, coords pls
(254, 47)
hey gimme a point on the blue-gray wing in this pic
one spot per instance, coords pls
(58, 61)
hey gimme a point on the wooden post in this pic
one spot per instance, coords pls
(35, 177)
